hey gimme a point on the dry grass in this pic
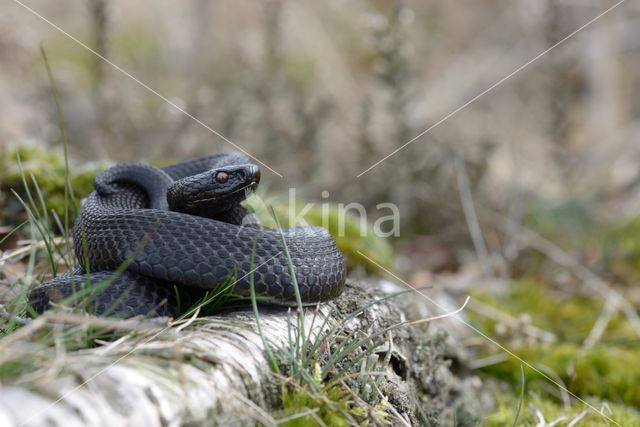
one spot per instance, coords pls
(537, 179)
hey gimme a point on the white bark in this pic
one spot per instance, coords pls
(213, 371)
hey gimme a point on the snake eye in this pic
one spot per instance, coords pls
(222, 177)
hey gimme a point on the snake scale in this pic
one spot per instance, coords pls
(145, 233)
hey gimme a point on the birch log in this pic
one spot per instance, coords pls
(212, 371)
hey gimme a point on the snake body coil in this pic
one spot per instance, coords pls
(162, 249)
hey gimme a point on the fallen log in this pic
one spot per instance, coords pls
(217, 370)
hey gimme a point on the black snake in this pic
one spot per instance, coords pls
(152, 237)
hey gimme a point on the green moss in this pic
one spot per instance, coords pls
(552, 410)
(603, 372)
(569, 316)
(48, 169)
(607, 372)
(333, 405)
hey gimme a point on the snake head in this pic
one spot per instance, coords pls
(213, 191)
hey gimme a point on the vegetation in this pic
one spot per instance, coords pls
(312, 388)
(47, 168)
(526, 197)
(604, 374)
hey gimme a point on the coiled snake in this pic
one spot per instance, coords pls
(146, 232)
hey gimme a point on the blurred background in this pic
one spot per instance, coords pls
(528, 198)
(320, 92)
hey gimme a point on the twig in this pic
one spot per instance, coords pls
(598, 329)
(189, 321)
(19, 252)
(470, 216)
(542, 422)
(441, 316)
(574, 422)
(540, 416)
(494, 359)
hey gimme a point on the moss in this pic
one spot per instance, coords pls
(48, 169)
(333, 405)
(570, 317)
(551, 409)
(602, 372)
(607, 372)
